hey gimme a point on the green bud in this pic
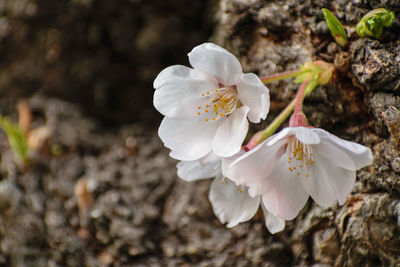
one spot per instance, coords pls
(319, 71)
(336, 28)
(16, 138)
(373, 22)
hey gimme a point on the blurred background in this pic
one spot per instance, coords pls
(100, 54)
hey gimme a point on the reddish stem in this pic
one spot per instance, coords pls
(298, 119)
(300, 97)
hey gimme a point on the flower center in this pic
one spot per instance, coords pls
(300, 157)
(219, 103)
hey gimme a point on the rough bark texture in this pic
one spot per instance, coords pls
(95, 196)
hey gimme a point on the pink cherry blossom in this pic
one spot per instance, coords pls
(296, 163)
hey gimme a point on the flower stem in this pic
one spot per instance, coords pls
(284, 75)
(276, 123)
(300, 97)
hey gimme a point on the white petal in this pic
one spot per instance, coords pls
(229, 204)
(179, 91)
(306, 135)
(273, 223)
(286, 196)
(217, 61)
(209, 158)
(226, 162)
(337, 156)
(188, 138)
(254, 94)
(281, 135)
(342, 153)
(193, 170)
(252, 167)
(328, 183)
(231, 133)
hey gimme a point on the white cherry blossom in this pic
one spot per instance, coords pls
(296, 163)
(230, 203)
(207, 107)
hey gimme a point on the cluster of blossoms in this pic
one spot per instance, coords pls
(207, 111)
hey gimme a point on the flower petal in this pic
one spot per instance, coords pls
(273, 223)
(306, 135)
(229, 204)
(179, 91)
(328, 183)
(286, 196)
(254, 94)
(193, 170)
(279, 136)
(231, 133)
(210, 158)
(342, 153)
(217, 61)
(251, 168)
(188, 138)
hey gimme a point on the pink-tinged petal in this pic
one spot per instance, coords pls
(306, 136)
(188, 138)
(193, 170)
(231, 133)
(179, 91)
(273, 223)
(217, 61)
(342, 153)
(286, 196)
(231, 205)
(328, 183)
(254, 94)
(252, 167)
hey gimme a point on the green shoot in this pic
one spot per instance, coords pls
(16, 138)
(373, 22)
(336, 28)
